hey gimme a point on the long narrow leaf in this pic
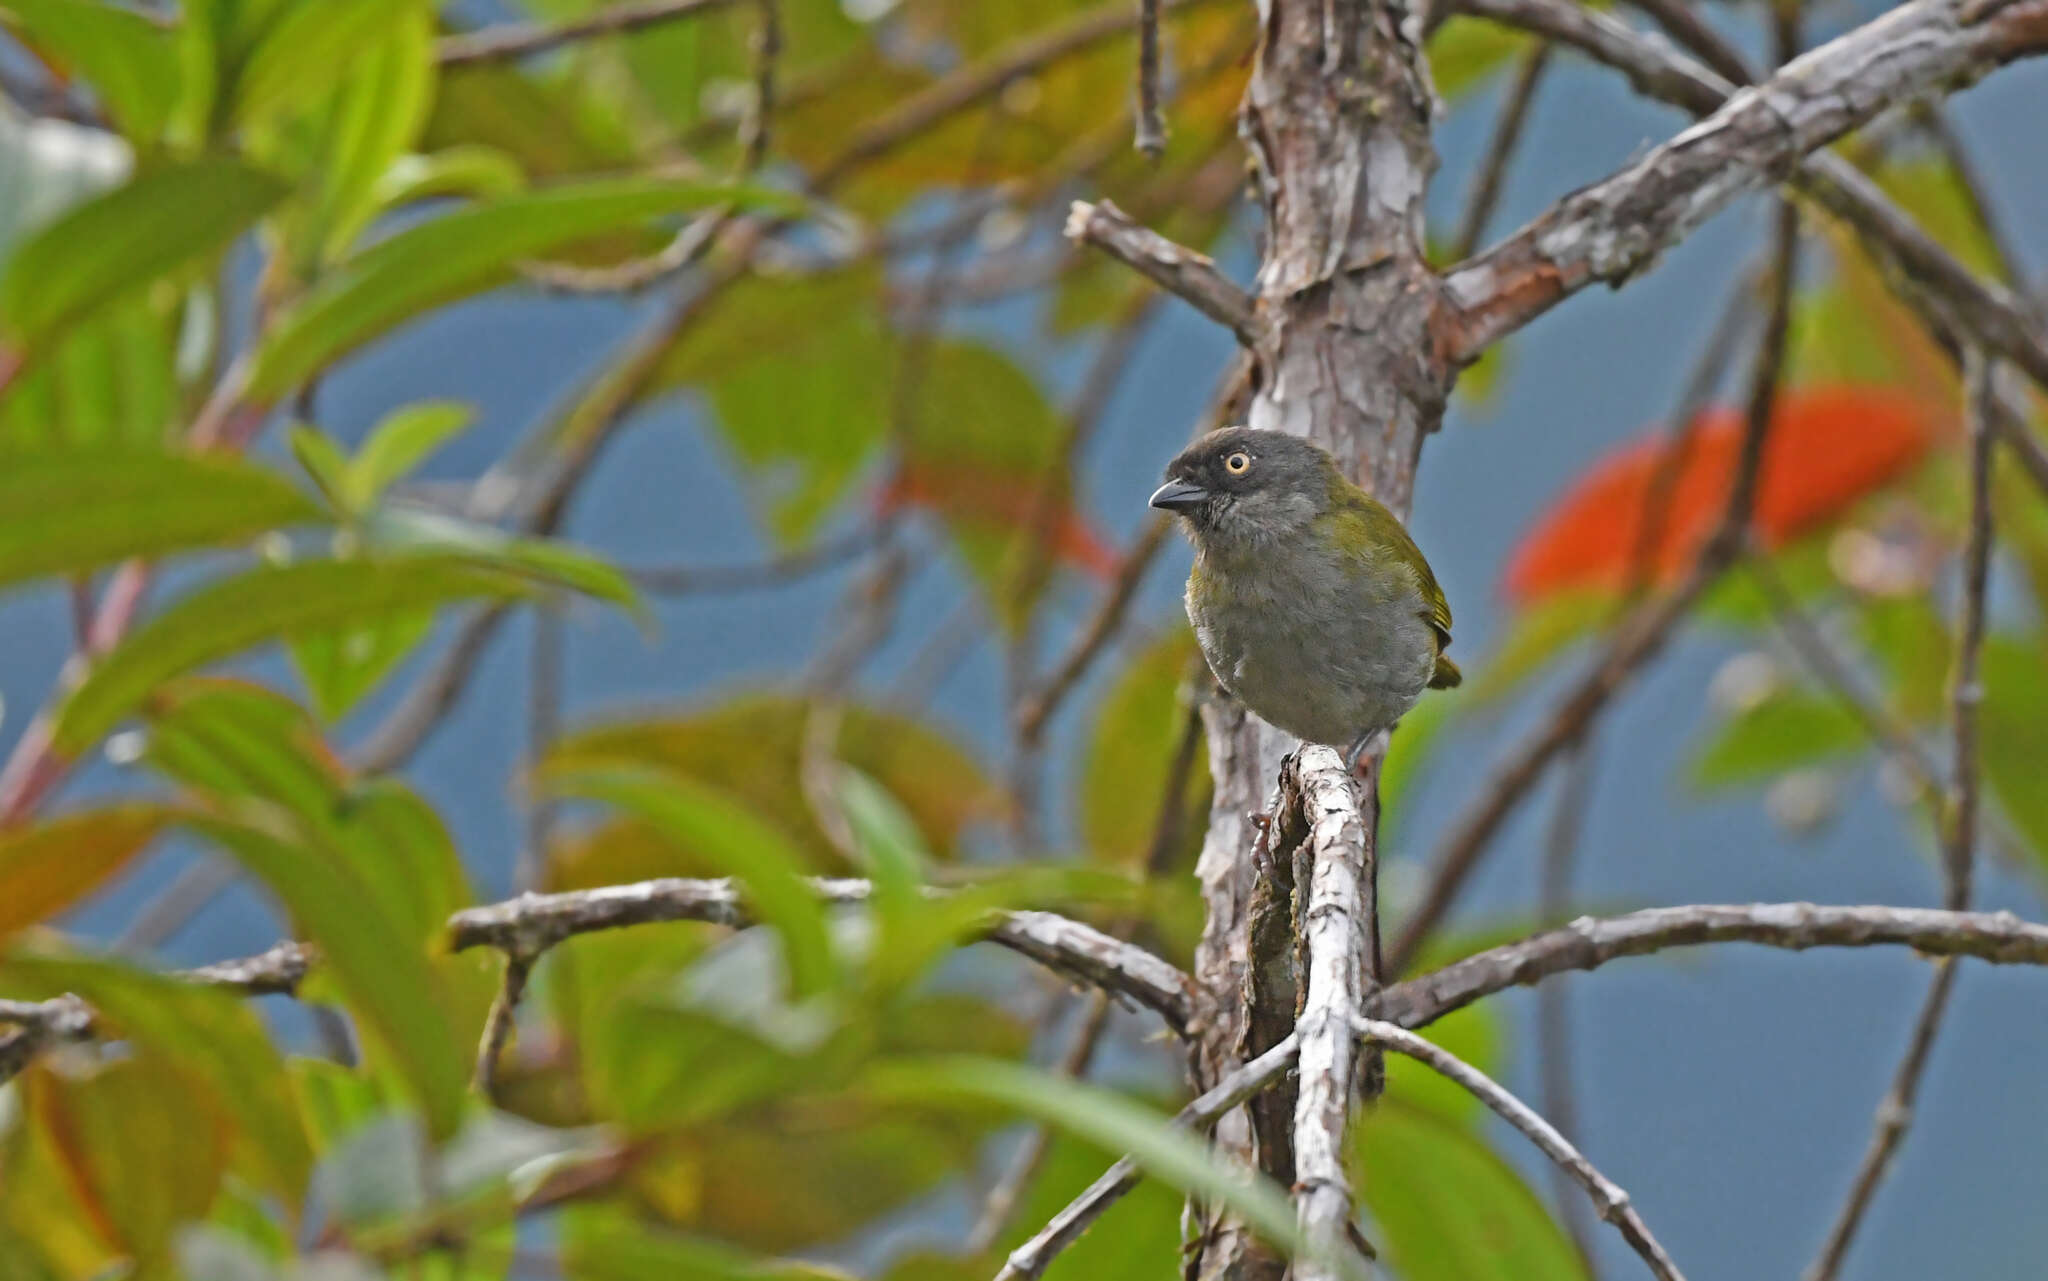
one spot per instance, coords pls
(464, 253)
(73, 512)
(123, 240)
(258, 607)
(1100, 1116)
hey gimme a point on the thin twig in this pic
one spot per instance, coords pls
(1002, 1199)
(1507, 136)
(1151, 135)
(1608, 1199)
(499, 1022)
(1959, 837)
(1191, 276)
(523, 39)
(789, 567)
(1553, 1013)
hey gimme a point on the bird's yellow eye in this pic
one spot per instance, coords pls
(1238, 463)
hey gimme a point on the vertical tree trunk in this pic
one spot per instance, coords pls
(1337, 121)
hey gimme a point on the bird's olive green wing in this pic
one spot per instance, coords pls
(1375, 534)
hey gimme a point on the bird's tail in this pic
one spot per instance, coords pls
(1446, 675)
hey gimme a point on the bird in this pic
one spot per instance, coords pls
(1311, 603)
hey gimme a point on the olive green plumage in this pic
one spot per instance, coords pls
(1312, 604)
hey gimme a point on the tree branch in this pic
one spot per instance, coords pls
(532, 923)
(1590, 942)
(1916, 260)
(1616, 228)
(1337, 981)
(1612, 1203)
(1180, 271)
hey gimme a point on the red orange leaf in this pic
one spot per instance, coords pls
(1829, 447)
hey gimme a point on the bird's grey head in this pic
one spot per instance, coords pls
(1240, 488)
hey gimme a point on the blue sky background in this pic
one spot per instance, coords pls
(1730, 1090)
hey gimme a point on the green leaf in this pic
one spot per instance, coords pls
(1130, 753)
(605, 1243)
(231, 741)
(453, 171)
(211, 1037)
(1449, 1209)
(137, 1149)
(1787, 729)
(324, 463)
(118, 243)
(108, 383)
(728, 836)
(1098, 1115)
(341, 146)
(415, 531)
(1139, 1236)
(130, 61)
(2014, 718)
(1534, 637)
(1465, 52)
(263, 605)
(751, 747)
(341, 668)
(48, 867)
(798, 371)
(309, 49)
(76, 512)
(460, 254)
(400, 442)
(380, 964)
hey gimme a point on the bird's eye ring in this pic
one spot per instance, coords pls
(1238, 463)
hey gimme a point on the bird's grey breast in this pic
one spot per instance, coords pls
(1312, 643)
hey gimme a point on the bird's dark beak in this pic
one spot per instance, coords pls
(1175, 495)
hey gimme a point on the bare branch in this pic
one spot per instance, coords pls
(1590, 942)
(1612, 1203)
(1151, 135)
(532, 923)
(1915, 260)
(499, 1022)
(1180, 271)
(1616, 228)
(1959, 835)
(1336, 980)
(519, 40)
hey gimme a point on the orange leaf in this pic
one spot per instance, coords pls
(1829, 447)
(47, 868)
(976, 497)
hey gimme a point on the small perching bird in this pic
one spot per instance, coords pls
(1313, 606)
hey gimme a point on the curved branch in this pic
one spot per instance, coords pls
(1608, 1198)
(1616, 228)
(1179, 270)
(532, 923)
(1590, 942)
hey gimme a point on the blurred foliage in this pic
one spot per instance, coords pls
(247, 193)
